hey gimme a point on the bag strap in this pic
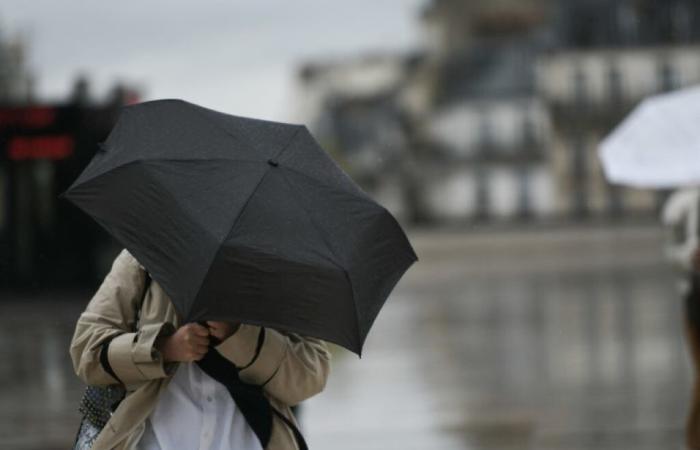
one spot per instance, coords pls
(301, 442)
(249, 398)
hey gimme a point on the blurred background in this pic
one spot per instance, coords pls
(541, 313)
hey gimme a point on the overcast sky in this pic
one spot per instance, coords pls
(235, 56)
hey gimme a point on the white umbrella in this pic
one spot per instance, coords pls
(658, 144)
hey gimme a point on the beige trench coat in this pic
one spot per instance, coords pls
(291, 367)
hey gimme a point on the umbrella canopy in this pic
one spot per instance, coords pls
(658, 144)
(245, 220)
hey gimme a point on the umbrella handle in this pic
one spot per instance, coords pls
(213, 340)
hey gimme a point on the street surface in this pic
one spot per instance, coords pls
(553, 339)
(565, 339)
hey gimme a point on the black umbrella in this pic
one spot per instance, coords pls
(244, 219)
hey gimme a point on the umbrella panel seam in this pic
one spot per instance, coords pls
(286, 146)
(216, 126)
(362, 194)
(325, 242)
(240, 213)
(241, 138)
(313, 223)
(252, 193)
(112, 232)
(144, 160)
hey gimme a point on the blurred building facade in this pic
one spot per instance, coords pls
(357, 117)
(484, 128)
(498, 115)
(605, 57)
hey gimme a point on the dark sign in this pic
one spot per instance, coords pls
(43, 148)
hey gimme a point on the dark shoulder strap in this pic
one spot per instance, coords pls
(301, 442)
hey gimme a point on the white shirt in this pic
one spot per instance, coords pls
(196, 412)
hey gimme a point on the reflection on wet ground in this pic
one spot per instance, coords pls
(543, 340)
(38, 389)
(550, 339)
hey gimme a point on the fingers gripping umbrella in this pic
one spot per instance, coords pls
(245, 220)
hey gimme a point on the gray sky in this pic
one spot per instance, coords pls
(236, 56)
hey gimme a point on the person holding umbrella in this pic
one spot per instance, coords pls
(191, 386)
(656, 147)
(681, 219)
(260, 249)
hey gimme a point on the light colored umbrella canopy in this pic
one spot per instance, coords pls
(658, 144)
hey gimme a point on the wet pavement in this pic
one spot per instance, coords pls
(564, 339)
(542, 339)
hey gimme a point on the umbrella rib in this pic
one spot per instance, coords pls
(245, 205)
(363, 195)
(147, 160)
(235, 221)
(241, 138)
(289, 142)
(203, 118)
(151, 160)
(312, 222)
(330, 249)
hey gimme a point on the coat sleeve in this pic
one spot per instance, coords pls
(104, 348)
(290, 367)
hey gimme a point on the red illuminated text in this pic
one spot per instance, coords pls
(40, 147)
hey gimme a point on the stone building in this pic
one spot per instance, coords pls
(498, 114)
(604, 58)
(452, 132)
(485, 129)
(352, 107)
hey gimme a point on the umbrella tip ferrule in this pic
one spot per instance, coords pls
(273, 162)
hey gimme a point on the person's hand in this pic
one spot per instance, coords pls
(222, 330)
(189, 343)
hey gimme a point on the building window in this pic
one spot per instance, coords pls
(668, 77)
(529, 133)
(524, 200)
(615, 200)
(614, 84)
(682, 22)
(486, 138)
(579, 87)
(481, 194)
(579, 171)
(628, 24)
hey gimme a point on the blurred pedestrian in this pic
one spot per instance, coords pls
(681, 217)
(191, 386)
